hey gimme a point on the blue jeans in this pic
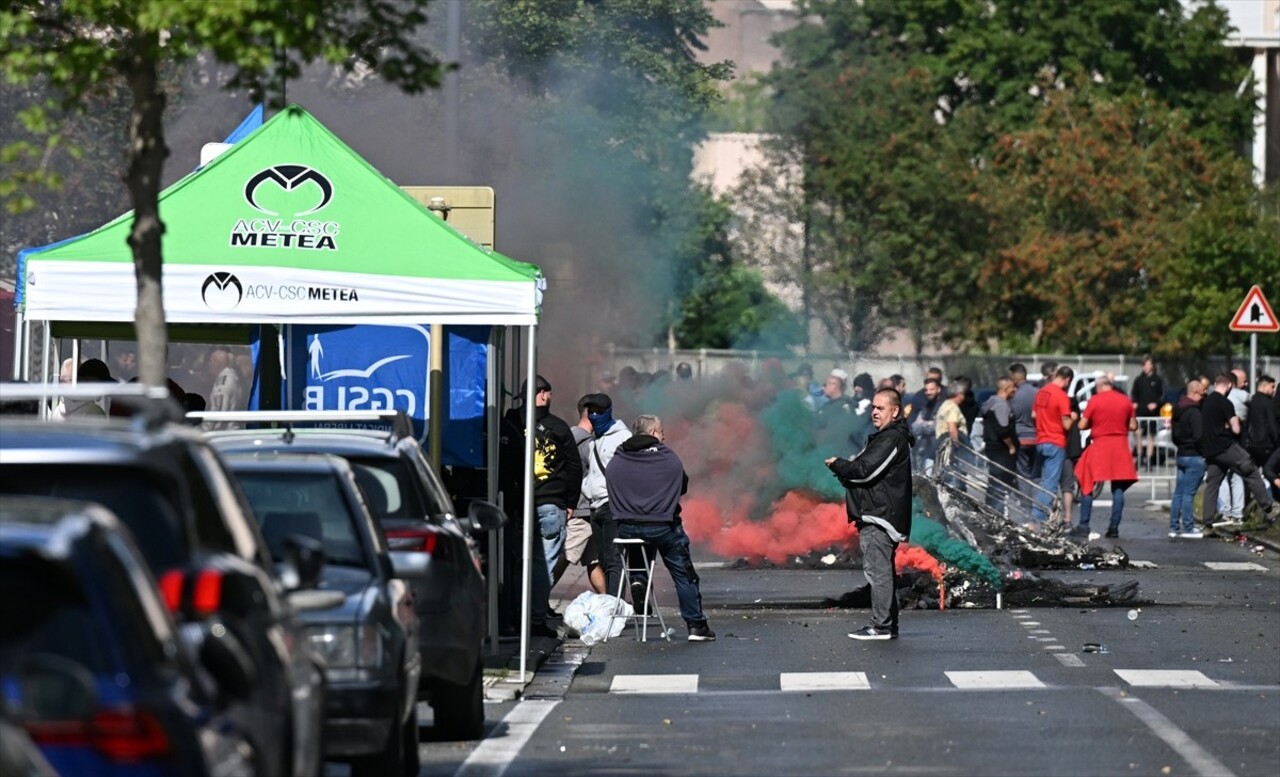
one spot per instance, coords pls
(670, 540)
(1117, 505)
(1051, 459)
(1182, 509)
(551, 527)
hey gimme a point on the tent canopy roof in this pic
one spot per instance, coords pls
(289, 225)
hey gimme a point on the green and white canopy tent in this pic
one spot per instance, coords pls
(289, 226)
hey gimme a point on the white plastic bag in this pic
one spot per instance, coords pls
(592, 615)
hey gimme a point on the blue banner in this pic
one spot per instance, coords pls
(386, 367)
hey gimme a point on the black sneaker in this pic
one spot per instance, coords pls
(871, 632)
(701, 633)
(543, 630)
(1079, 532)
(1113, 533)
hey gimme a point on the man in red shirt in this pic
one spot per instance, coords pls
(1110, 416)
(1052, 412)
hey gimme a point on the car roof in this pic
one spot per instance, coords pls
(346, 442)
(33, 441)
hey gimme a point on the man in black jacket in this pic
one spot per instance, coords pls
(1222, 454)
(557, 483)
(1262, 433)
(1000, 444)
(878, 500)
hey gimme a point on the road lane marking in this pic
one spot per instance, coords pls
(492, 757)
(1196, 756)
(1053, 647)
(1038, 631)
(1069, 659)
(823, 681)
(1030, 624)
(654, 683)
(1235, 566)
(1165, 678)
(1018, 678)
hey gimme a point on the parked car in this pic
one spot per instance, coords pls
(409, 501)
(197, 535)
(370, 640)
(103, 680)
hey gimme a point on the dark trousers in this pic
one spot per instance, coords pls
(1028, 465)
(603, 529)
(1233, 459)
(1000, 475)
(514, 545)
(670, 540)
(878, 549)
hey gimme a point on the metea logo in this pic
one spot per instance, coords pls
(222, 292)
(288, 177)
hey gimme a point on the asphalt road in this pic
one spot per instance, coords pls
(1187, 683)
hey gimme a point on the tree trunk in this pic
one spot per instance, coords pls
(147, 154)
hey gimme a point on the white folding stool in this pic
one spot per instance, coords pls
(641, 614)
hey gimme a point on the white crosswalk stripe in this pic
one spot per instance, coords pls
(654, 683)
(823, 681)
(1165, 678)
(1015, 678)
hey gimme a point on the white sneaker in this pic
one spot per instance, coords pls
(1194, 534)
(1173, 535)
(1227, 523)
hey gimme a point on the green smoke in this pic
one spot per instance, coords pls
(930, 535)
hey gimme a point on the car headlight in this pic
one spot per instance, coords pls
(347, 647)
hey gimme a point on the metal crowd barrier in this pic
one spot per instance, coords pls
(961, 468)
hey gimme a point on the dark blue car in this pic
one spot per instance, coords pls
(106, 683)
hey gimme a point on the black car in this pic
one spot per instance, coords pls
(408, 500)
(370, 641)
(197, 534)
(104, 680)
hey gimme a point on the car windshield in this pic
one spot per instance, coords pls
(306, 503)
(140, 502)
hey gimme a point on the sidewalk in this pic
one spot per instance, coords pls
(502, 667)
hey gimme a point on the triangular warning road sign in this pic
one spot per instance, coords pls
(1255, 314)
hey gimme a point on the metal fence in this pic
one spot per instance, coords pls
(981, 369)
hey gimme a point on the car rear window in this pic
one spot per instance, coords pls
(306, 503)
(389, 487)
(140, 501)
(45, 611)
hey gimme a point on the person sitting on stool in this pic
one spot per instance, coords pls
(645, 480)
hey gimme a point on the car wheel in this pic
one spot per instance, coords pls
(390, 761)
(459, 709)
(409, 744)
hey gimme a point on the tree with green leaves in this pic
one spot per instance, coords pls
(888, 117)
(82, 49)
(1114, 227)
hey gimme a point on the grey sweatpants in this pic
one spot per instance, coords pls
(878, 549)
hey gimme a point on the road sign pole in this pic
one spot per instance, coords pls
(1253, 361)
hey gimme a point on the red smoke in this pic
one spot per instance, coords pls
(798, 524)
(917, 557)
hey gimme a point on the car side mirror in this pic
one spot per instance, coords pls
(302, 562)
(485, 516)
(227, 661)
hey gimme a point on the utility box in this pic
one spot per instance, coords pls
(468, 209)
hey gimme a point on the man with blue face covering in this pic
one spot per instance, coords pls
(607, 434)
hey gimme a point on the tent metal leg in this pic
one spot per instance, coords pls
(530, 389)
